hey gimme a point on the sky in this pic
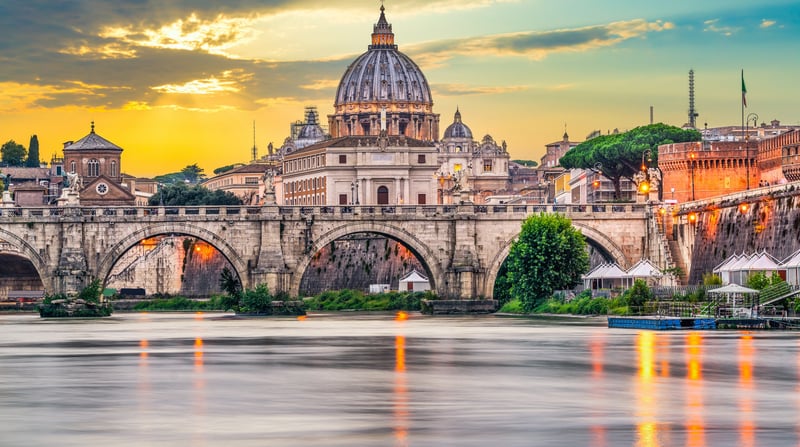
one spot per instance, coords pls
(178, 82)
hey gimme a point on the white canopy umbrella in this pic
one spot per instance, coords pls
(734, 288)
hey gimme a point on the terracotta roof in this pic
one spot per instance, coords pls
(92, 142)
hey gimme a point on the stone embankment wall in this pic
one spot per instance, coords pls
(770, 222)
(170, 265)
(358, 261)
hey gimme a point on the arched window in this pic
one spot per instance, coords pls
(383, 195)
(72, 166)
(113, 168)
(93, 168)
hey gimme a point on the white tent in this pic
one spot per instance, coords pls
(736, 269)
(792, 266)
(414, 282)
(724, 268)
(645, 270)
(605, 276)
(763, 262)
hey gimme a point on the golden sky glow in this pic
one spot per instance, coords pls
(176, 85)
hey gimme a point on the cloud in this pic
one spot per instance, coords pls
(765, 23)
(538, 45)
(322, 84)
(229, 81)
(713, 26)
(214, 35)
(461, 89)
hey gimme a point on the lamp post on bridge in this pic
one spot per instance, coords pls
(754, 117)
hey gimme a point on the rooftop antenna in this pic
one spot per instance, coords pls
(692, 112)
(255, 151)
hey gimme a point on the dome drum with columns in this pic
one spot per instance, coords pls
(384, 79)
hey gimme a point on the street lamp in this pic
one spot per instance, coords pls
(644, 184)
(754, 117)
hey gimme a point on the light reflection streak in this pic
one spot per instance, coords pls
(747, 426)
(400, 393)
(598, 430)
(646, 426)
(198, 354)
(695, 424)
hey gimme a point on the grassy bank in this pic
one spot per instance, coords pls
(357, 300)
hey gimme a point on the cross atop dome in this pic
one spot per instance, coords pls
(382, 35)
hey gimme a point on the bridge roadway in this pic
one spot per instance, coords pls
(462, 247)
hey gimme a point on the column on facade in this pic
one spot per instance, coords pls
(398, 193)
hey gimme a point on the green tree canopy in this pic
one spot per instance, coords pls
(181, 194)
(193, 173)
(224, 169)
(33, 153)
(619, 156)
(13, 154)
(550, 254)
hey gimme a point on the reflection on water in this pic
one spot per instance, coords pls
(695, 428)
(380, 379)
(747, 427)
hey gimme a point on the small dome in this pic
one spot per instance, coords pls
(311, 129)
(458, 129)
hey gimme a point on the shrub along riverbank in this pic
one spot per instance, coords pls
(357, 300)
(584, 304)
(258, 300)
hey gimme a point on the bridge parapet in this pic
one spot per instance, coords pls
(618, 211)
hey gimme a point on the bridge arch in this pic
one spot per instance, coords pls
(593, 237)
(14, 245)
(423, 253)
(182, 228)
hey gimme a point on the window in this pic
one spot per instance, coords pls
(113, 168)
(487, 165)
(342, 159)
(72, 166)
(421, 159)
(421, 199)
(383, 195)
(94, 168)
(342, 199)
(251, 180)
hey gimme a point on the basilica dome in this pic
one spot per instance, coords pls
(458, 129)
(381, 79)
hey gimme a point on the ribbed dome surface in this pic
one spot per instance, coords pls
(383, 74)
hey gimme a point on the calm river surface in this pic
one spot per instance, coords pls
(369, 380)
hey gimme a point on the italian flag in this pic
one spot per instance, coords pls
(744, 91)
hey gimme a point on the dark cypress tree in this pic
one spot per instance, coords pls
(33, 153)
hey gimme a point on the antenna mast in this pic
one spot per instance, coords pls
(692, 112)
(255, 151)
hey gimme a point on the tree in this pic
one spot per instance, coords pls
(548, 255)
(181, 194)
(13, 154)
(619, 156)
(192, 173)
(33, 153)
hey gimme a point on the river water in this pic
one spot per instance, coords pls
(374, 380)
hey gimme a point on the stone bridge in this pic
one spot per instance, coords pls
(462, 247)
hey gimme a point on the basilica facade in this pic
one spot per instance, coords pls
(383, 146)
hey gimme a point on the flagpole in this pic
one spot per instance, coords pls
(744, 137)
